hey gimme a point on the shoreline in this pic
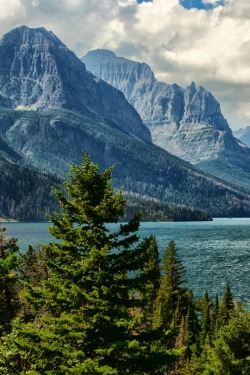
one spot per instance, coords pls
(6, 220)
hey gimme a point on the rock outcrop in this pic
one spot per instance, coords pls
(37, 71)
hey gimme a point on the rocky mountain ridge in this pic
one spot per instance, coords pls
(45, 125)
(186, 122)
(37, 71)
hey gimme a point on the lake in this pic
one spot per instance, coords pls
(213, 253)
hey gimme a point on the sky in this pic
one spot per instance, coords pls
(205, 41)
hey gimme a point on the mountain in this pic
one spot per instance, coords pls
(37, 71)
(186, 122)
(50, 139)
(243, 134)
(52, 110)
(26, 193)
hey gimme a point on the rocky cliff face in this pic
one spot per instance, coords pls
(37, 71)
(186, 122)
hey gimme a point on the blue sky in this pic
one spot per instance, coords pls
(205, 41)
(189, 4)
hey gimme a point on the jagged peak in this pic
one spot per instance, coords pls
(201, 88)
(100, 54)
(191, 87)
(24, 33)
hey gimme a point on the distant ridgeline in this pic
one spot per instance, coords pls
(52, 110)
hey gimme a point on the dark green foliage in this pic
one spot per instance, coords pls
(9, 299)
(205, 323)
(191, 322)
(96, 302)
(150, 278)
(54, 137)
(171, 293)
(230, 352)
(31, 268)
(88, 317)
(26, 194)
(156, 211)
(215, 315)
(226, 306)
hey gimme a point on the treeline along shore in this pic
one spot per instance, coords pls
(101, 302)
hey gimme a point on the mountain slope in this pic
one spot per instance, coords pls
(142, 169)
(186, 122)
(37, 71)
(26, 194)
(53, 110)
(243, 135)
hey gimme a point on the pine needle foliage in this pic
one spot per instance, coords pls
(171, 293)
(9, 299)
(89, 308)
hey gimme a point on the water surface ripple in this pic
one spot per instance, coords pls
(213, 253)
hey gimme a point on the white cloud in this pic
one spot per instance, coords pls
(212, 48)
(11, 9)
(35, 3)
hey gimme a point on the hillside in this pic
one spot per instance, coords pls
(26, 194)
(49, 140)
(243, 134)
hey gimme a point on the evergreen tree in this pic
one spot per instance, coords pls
(86, 321)
(205, 322)
(226, 306)
(191, 328)
(150, 278)
(32, 272)
(230, 352)
(9, 298)
(31, 269)
(215, 314)
(170, 292)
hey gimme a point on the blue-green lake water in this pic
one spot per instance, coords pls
(213, 253)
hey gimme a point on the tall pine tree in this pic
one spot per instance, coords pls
(171, 292)
(226, 306)
(89, 319)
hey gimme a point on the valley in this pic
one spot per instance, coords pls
(52, 110)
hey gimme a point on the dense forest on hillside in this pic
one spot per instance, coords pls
(140, 168)
(156, 211)
(101, 302)
(26, 194)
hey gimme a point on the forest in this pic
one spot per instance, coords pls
(25, 193)
(140, 168)
(103, 302)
